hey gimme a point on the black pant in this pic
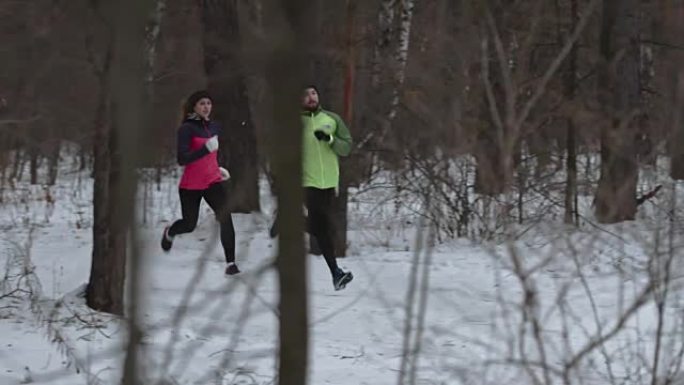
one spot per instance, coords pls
(319, 204)
(215, 196)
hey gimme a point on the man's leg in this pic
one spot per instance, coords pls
(318, 204)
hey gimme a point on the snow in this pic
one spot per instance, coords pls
(201, 327)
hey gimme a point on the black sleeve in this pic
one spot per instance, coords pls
(185, 155)
(222, 155)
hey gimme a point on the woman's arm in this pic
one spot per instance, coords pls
(185, 155)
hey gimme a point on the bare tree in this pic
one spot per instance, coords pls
(128, 120)
(226, 77)
(289, 55)
(672, 14)
(107, 272)
(616, 194)
(571, 214)
(341, 203)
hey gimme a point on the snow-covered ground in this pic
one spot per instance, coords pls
(492, 313)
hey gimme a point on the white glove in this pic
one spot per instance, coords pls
(212, 144)
(225, 175)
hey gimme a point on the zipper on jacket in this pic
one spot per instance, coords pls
(318, 147)
(205, 125)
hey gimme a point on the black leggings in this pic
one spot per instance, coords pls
(319, 204)
(215, 196)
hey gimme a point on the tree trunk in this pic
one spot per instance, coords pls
(129, 102)
(340, 238)
(107, 273)
(383, 41)
(374, 119)
(83, 156)
(571, 214)
(401, 55)
(340, 215)
(18, 164)
(540, 146)
(616, 194)
(677, 145)
(53, 161)
(674, 30)
(151, 42)
(33, 161)
(490, 177)
(492, 173)
(291, 40)
(105, 290)
(227, 85)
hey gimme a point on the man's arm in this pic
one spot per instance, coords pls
(342, 142)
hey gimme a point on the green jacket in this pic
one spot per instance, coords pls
(319, 158)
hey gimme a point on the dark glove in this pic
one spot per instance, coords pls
(320, 135)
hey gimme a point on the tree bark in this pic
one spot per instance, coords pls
(571, 215)
(341, 203)
(130, 68)
(677, 145)
(383, 41)
(674, 30)
(291, 41)
(490, 176)
(493, 173)
(107, 273)
(401, 55)
(33, 160)
(105, 290)
(227, 85)
(374, 121)
(53, 161)
(616, 194)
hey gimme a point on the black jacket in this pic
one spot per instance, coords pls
(194, 127)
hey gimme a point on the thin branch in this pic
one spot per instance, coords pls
(525, 363)
(10, 294)
(510, 93)
(422, 302)
(594, 310)
(528, 309)
(662, 279)
(596, 342)
(409, 307)
(19, 121)
(496, 116)
(662, 44)
(555, 65)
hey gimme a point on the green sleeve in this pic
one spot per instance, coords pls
(342, 144)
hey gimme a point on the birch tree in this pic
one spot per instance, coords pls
(401, 56)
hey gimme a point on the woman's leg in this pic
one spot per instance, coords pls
(216, 197)
(190, 203)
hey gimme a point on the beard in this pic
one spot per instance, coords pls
(311, 106)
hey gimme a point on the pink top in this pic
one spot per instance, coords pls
(203, 172)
